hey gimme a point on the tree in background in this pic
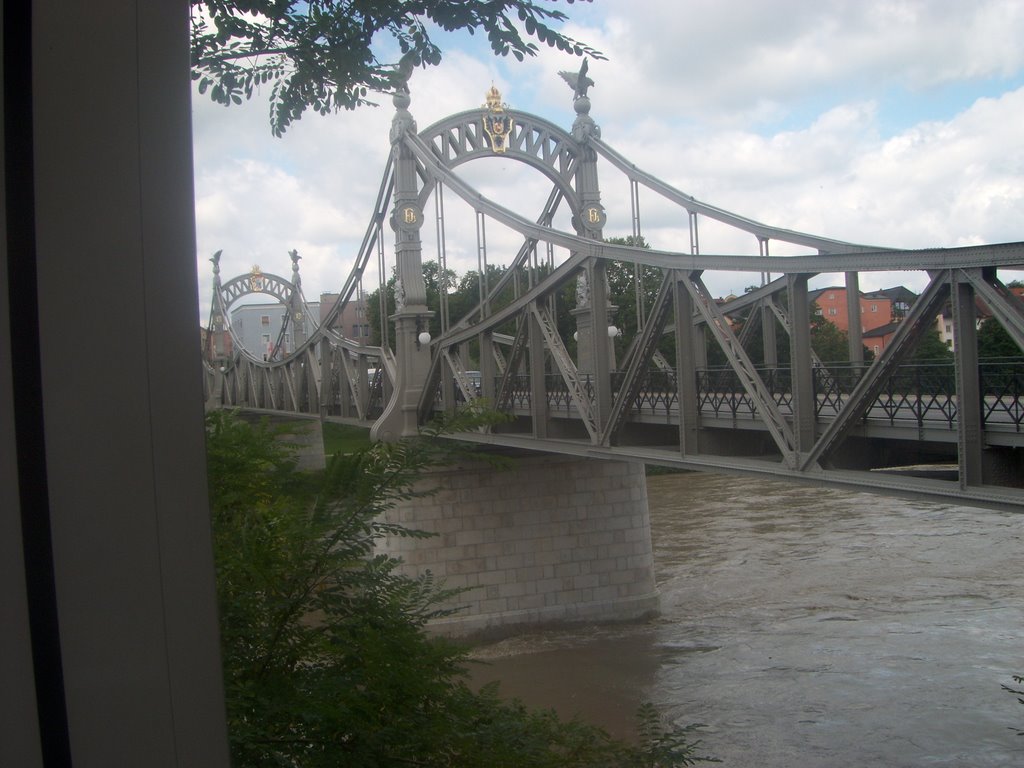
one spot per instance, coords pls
(994, 341)
(931, 348)
(831, 344)
(326, 661)
(625, 282)
(321, 54)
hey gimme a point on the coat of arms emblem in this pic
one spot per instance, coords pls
(256, 280)
(497, 124)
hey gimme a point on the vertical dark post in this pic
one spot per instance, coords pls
(686, 370)
(804, 404)
(602, 343)
(538, 387)
(768, 335)
(327, 388)
(968, 388)
(488, 368)
(853, 324)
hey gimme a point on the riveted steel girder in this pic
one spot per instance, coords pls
(640, 356)
(567, 368)
(918, 320)
(743, 367)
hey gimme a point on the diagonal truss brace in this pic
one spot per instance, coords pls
(752, 324)
(917, 321)
(1004, 305)
(565, 365)
(515, 355)
(783, 317)
(459, 373)
(641, 353)
(353, 385)
(741, 364)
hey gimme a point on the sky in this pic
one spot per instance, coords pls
(886, 122)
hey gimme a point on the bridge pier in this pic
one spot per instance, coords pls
(549, 540)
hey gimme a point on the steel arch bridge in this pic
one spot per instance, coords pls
(661, 403)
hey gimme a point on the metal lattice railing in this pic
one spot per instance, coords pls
(1002, 384)
(917, 394)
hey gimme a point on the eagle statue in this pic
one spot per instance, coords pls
(578, 81)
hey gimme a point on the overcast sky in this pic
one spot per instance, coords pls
(883, 122)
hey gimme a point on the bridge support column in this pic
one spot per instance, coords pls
(548, 540)
(411, 318)
(968, 389)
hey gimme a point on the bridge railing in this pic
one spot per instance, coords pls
(917, 394)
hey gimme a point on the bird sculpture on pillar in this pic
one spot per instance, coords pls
(578, 81)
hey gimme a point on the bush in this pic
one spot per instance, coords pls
(326, 661)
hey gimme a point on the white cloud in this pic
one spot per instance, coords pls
(778, 111)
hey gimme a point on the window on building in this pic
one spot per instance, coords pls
(949, 328)
(366, 331)
(874, 307)
(355, 331)
(266, 338)
(264, 319)
(832, 311)
(831, 297)
(876, 349)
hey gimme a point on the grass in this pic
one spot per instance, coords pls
(342, 438)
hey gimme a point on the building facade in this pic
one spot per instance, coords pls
(353, 322)
(877, 308)
(258, 326)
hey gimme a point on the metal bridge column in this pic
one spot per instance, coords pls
(298, 319)
(327, 387)
(538, 388)
(768, 335)
(363, 383)
(804, 404)
(596, 347)
(412, 356)
(968, 389)
(488, 367)
(686, 369)
(853, 321)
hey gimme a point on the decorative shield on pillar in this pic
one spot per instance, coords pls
(497, 124)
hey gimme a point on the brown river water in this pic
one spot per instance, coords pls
(805, 627)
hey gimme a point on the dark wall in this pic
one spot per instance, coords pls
(105, 463)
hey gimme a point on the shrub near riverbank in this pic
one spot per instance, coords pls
(325, 659)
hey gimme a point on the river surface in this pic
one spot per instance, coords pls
(805, 627)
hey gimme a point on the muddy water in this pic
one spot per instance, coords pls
(806, 627)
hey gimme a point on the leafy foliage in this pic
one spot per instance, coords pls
(1019, 693)
(320, 54)
(994, 341)
(931, 347)
(831, 344)
(631, 286)
(326, 662)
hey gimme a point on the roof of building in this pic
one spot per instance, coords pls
(897, 293)
(882, 330)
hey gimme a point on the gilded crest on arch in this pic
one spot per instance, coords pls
(256, 279)
(497, 124)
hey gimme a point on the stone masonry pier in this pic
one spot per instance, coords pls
(547, 540)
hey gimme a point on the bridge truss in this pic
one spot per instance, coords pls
(563, 389)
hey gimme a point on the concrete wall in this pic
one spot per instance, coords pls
(548, 540)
